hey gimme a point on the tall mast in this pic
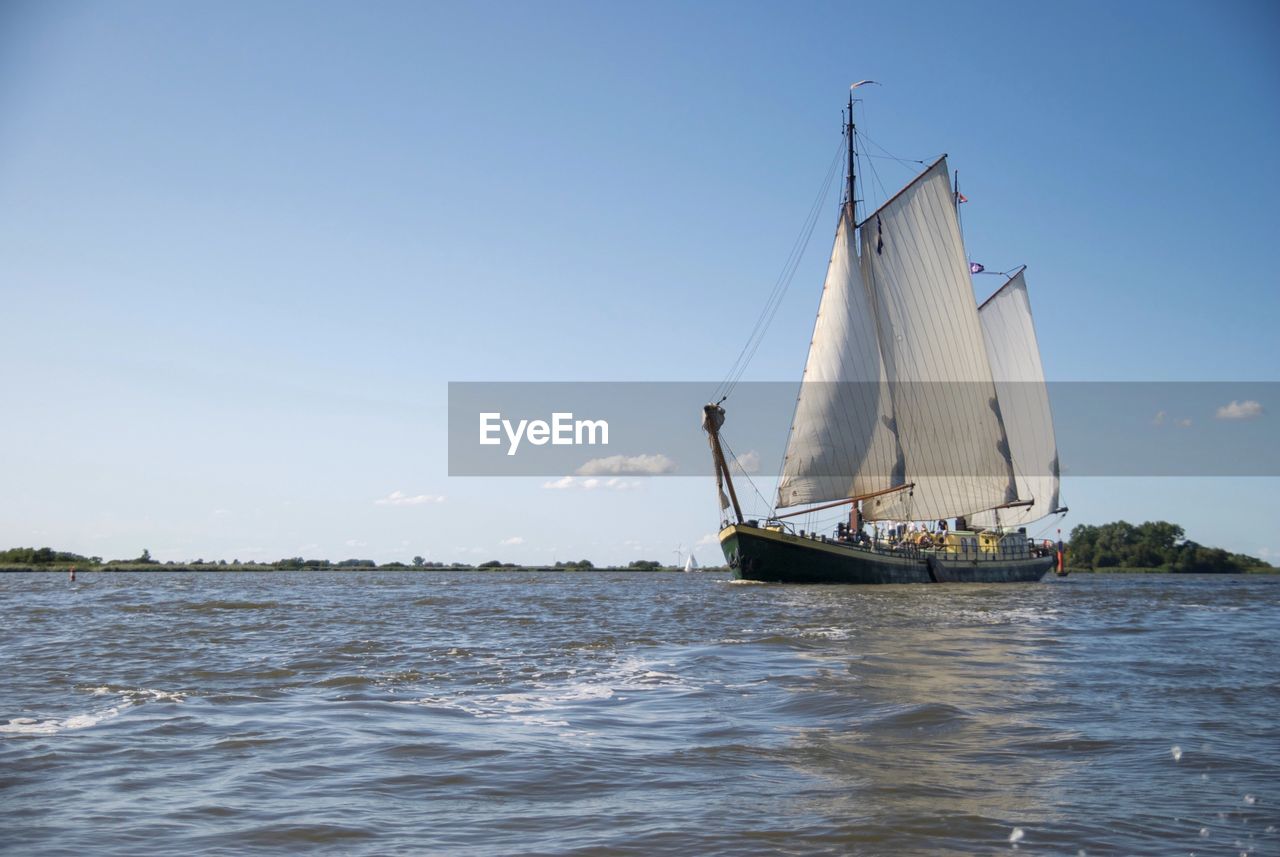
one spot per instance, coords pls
(848, 132)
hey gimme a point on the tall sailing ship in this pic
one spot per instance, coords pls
(922, 412)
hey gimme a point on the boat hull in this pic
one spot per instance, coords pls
(769, 556)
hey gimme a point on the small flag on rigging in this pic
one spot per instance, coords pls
(975, 268)
(961, 198)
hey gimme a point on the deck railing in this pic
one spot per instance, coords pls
(1006, 549)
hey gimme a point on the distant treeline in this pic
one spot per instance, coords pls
(45, 557)
(1151, 545)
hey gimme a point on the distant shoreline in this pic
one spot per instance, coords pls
(218, 569)
(1123, 570)
(247, 567)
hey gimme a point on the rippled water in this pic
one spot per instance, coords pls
(502, 713)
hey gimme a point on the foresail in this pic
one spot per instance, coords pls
(1014, 355)
(943, 399)
(841, 443)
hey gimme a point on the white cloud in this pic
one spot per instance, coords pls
(1246, 410)
(355, 543)
(221, 513)
(1159, 419)
(592, 484)
(399, 498)
(513, 540)
(749, 462)
(628, 465)
(1184, 423)
(708, 539)
(561, 483)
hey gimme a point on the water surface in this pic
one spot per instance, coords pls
(604, 713)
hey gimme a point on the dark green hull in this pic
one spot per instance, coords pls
(772, 557)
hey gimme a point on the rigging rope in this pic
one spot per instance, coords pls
(890, 155)
(745, 475)
(780, 286)
(875, 174)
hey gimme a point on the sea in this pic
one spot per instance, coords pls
(599, 713)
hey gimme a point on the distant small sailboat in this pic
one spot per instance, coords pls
(691, 564)
(916, 406)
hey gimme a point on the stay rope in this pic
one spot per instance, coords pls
(781, 284)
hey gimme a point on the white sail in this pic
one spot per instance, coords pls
(1014, 354)
(691, 564)
(841, 443)
(943, 397)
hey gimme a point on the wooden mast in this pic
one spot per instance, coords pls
(712, 419)
(855, 510)
(853, 200)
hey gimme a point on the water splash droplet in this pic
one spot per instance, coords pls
(1250, 800)
(1204, 833)
(1176, 752)
(1017, 834)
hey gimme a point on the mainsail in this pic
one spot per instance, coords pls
(897, 389)
(1014, 355)
(944, 399)
(842, 443)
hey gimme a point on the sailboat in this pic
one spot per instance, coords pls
(922, 412)
(691, 564)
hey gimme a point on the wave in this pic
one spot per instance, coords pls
(31, 726)
(554, 704)
(129, 697)
(220, 604)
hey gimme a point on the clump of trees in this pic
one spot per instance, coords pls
(579, 564)
(295, 563)
(645, 565)
(43, 556)
(1153, 544)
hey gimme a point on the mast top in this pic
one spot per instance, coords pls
(849, 132)
(851, 190)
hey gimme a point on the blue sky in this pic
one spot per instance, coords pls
(244, 247)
